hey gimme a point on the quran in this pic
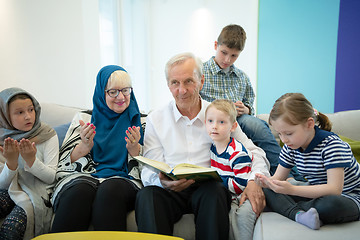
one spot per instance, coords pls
(182, 170)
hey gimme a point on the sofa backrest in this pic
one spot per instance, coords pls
(55, 115)
(345, 123)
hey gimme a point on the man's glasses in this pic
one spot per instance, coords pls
(115, 92)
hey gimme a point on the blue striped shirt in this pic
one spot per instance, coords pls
(326, 151)
(234, 85)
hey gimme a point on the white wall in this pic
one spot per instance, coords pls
(52, 49)
(194, 25)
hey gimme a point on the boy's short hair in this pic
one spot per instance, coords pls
(225, 106)
(233, 36)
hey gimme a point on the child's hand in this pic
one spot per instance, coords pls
(28, 151)
(283, 187)
(132, 140)
(241, 108)
(278, 186)
(262, 180)
(11, 153)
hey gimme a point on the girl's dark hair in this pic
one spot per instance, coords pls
(19, 96)
(295, 109)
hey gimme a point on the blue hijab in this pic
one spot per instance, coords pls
(109, 151)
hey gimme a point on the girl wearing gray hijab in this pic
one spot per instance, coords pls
(29, 152)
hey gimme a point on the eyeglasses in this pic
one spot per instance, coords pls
(115, 92)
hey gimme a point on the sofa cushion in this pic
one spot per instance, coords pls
(56, 115)
(61, 132)
(272, 225)
(355, 147)
(346, 123)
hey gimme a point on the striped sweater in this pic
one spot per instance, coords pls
(233, 165)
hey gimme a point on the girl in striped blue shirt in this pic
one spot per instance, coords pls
(333, 174)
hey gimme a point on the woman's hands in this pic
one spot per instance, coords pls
(87, 134)
(13, 148)
(132, 140)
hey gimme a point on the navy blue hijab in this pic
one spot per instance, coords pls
(109, 151)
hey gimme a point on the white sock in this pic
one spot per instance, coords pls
(310, 218)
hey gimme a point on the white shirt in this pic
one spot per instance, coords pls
(43, 168)
(173, 138)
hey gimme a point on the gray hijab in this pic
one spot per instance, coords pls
(40, 132)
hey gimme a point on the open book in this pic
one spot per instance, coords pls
(182, 170)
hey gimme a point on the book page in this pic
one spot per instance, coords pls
(190, 168)
(155, 164)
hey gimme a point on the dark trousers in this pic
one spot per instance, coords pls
(157, 209)
(105, 206)
(331, 208)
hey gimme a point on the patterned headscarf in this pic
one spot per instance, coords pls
(40, 131)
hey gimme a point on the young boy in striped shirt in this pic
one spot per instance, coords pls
(233, 163)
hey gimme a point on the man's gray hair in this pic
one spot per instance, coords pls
(182, 57)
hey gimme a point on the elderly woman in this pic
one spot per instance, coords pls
(97, 178)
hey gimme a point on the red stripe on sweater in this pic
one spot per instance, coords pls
(220, 166)
(246, 169)
(236, 188)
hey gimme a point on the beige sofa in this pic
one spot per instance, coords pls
(269, 225)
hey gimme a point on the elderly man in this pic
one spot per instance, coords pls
(176, 134)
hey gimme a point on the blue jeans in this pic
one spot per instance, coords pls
(259, 132)
(242, 221)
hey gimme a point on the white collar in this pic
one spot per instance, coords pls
(178, 115)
